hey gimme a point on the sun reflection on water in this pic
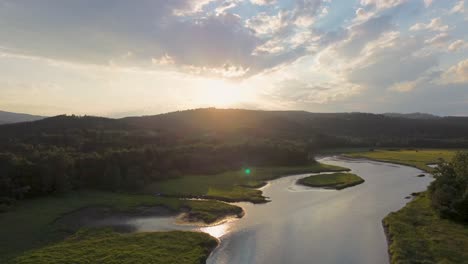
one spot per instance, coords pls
(216, 231)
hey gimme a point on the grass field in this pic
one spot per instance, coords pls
(415, 158)
(418, 235)
(232, 186)
(105, 246)
(334, 181)
(31, 223)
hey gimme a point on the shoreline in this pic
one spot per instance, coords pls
(386, 161)
(237, 190)
(388, 238)
(315, 181)
(183, 218)
(104, 216)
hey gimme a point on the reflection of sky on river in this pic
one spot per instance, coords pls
(217, 231)
(303, 224)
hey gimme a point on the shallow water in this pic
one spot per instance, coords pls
(311, 225)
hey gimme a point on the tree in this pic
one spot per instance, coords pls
(449, 192)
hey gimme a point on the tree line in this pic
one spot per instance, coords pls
(449, 192)
(39, 170)
(64, 153)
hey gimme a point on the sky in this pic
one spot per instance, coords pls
(123, 58)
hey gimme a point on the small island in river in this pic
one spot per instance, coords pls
(336, 181)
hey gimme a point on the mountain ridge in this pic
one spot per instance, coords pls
(11, 117)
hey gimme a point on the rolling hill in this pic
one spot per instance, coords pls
(9, 117)
(225, 125)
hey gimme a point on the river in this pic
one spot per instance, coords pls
(312, 225)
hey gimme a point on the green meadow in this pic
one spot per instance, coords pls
(232, 186)
(106, 246)
(418, 235)
(336, 181)
(419, 158)
(33, 223)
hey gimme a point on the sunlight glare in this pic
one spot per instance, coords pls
(222, 93)
(216, 231)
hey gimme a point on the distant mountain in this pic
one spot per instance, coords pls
(8, 117)
(416, 115)
(236, 125)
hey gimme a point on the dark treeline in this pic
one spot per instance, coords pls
(39, 170)
(68, 152)
(449, 192)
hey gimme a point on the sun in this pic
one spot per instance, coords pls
(222, 93)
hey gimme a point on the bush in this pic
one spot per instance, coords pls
(449, 192)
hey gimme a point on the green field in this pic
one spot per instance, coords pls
(336, 181)
(105, 246)
(32, 223)
(232, 186)
(415, 158)
(418, 235)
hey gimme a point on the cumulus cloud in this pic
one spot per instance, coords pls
(457, 73)
(353, 53)
(404, 86)
(435, 25)
(438, 40)
(391, 59)
(359, 35)
(459, 7)
(360, 12)
(263, 2)
(154, 30)
(295, 91)
(267, 24)
(457, 45)
(382, 4)
(427, 3)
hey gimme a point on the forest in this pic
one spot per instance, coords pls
(64, 153)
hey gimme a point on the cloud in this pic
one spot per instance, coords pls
(359, 35)
(226, 5)
(390, 60)
(457, 73)
(382, 4)
(195, 34)
(439, 39)
(263, 2)
(457, 45)
(360, 12)
(208, 42)
(310, 54)
(404, 86)
(267, 24)
(289, 92)
(386, 60)
(435, 25)
(459, 7)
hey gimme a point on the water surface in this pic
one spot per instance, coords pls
(311, 225)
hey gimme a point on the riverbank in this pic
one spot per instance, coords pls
(337, 181)
(416, 234)
(106, 246)
(39, 222)
(418, 158)
(233, 186)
